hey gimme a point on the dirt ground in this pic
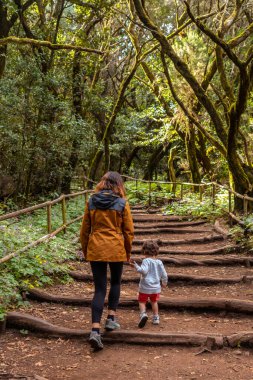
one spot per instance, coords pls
(56, 359)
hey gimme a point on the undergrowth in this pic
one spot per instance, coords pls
(40, 265)
(171, 202)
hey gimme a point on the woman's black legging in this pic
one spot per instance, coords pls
(99, 271)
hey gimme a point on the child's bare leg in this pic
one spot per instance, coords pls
(142, 307)
(154, 307)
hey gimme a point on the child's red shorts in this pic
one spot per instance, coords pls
(143, 297)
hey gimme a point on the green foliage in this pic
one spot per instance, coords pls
(192, 206)
(157, 193)
(41, 265)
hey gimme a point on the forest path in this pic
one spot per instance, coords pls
(208, 302)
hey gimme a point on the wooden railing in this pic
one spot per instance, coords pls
(48, 205)
(201, 188)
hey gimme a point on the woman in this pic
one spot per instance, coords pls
(106, 237)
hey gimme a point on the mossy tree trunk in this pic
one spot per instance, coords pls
(77, 94)
(154, 160)
(191, 155)
(243, 182)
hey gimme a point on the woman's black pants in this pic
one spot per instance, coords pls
(99, 271)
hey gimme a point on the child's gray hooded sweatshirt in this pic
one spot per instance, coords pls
(152, 273)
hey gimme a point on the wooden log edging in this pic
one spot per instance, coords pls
(190, 279)
(166, 251)
(170, 231)
(45, 329)
(196, 304)
(213, 261)
(221, 230)
(205, 239)
(165, 224)
(244, 338)
(160, 218)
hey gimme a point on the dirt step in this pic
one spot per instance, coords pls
(208, 340)
(161, 224)
(188, 278)
(191, 251)
(196, 304)
(146, 218)
(221, 271)
(177, 321)
(173, 236)
(171, 230)
(174, 290)
(144, 212)
(227, 260)
(174, 320)
(197, 240)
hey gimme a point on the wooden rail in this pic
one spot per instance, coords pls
(50, 234)
(62, 199)
(201, 186)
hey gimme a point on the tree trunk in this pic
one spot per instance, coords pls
(4, 31)
(204, 159)
(191, 155)
(154, 160)
(77, 106)
(130, 158)
(171, 170)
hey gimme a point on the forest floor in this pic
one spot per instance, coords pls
(30, 356)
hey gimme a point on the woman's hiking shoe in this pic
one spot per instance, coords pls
(95, 341)
(143, 320)
(111, 325)
(156, 320)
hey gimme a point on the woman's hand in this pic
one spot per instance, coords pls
(131, 262)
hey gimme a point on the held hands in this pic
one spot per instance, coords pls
(131, 262)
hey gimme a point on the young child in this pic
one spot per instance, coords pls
(152, 273)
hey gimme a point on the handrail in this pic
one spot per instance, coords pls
(50, 233)
(63, 198)
(200, 186)
(14, 214)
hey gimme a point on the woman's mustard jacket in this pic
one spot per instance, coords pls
(107, 228)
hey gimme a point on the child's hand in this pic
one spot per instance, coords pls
(164, 286)
(131, 262)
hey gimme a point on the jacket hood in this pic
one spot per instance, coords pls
(105, 199)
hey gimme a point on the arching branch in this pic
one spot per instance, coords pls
(40, 43)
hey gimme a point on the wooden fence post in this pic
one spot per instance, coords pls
(200, 193)
(85, 198)
(49, 218)
(245, 206)
(64, 216)
(213, 194)
(149, 193)
(230, 206)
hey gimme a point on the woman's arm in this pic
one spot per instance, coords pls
(128, 230)
(85, 230)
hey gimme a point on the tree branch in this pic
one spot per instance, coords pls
(183, 69)
(214, 142)
(39, 43)
(215, 38)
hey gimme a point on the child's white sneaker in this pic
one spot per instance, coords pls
(156, 320)
(143, 320)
